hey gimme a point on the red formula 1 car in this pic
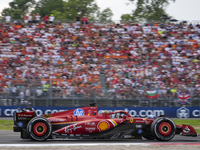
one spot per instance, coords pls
(86, 123)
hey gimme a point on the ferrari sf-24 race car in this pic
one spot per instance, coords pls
(86, 123)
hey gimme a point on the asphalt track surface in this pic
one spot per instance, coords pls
(9, 137)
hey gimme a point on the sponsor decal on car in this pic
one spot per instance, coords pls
(20, 124)
(70, 130)
(23, 118)
(79, 112)
(140, 121)
(138, 126)
(90, 129)
(140, 131)
(90, 124)
(103, 125)
(129, 136)
(89, 112)
(24, 115)
(56, 120)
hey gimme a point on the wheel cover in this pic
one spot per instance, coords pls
(40, 129)
(165, 129)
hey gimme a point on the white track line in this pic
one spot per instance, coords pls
(80, 144)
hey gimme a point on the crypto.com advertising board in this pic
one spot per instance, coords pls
(172, 112)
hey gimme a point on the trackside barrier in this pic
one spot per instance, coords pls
(172, 112)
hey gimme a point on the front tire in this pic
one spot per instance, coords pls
(163, 129)
(39, 129)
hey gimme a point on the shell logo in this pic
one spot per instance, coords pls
(103, 125)
(18, 115)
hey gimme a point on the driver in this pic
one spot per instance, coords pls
(119, 116)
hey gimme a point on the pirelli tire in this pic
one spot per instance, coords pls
(163, 129)
(39, 129)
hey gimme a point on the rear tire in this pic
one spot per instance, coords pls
(39, 129)
(163, 129)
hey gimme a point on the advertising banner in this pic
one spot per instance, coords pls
(172, 112)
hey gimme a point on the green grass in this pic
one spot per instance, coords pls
(8, 124)
(194, 123)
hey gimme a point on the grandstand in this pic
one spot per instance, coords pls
(126, 64)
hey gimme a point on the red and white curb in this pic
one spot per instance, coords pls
(193, 144)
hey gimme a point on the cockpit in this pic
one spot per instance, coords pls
(119, 115)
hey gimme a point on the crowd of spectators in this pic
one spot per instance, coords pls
(65, 59)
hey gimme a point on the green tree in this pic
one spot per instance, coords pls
(72, 8)
(105, 15)
(80, 7)
(127, 17)
(14, 13)
(17, 8)
(92, 11)
(58, 15)
(45, 7)
(67, 9)
(61, 9)
(150, 9)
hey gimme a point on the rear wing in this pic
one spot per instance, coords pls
(22, 118)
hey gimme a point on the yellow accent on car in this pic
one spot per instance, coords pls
(114, 122)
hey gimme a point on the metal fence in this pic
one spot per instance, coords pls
(69, 97)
